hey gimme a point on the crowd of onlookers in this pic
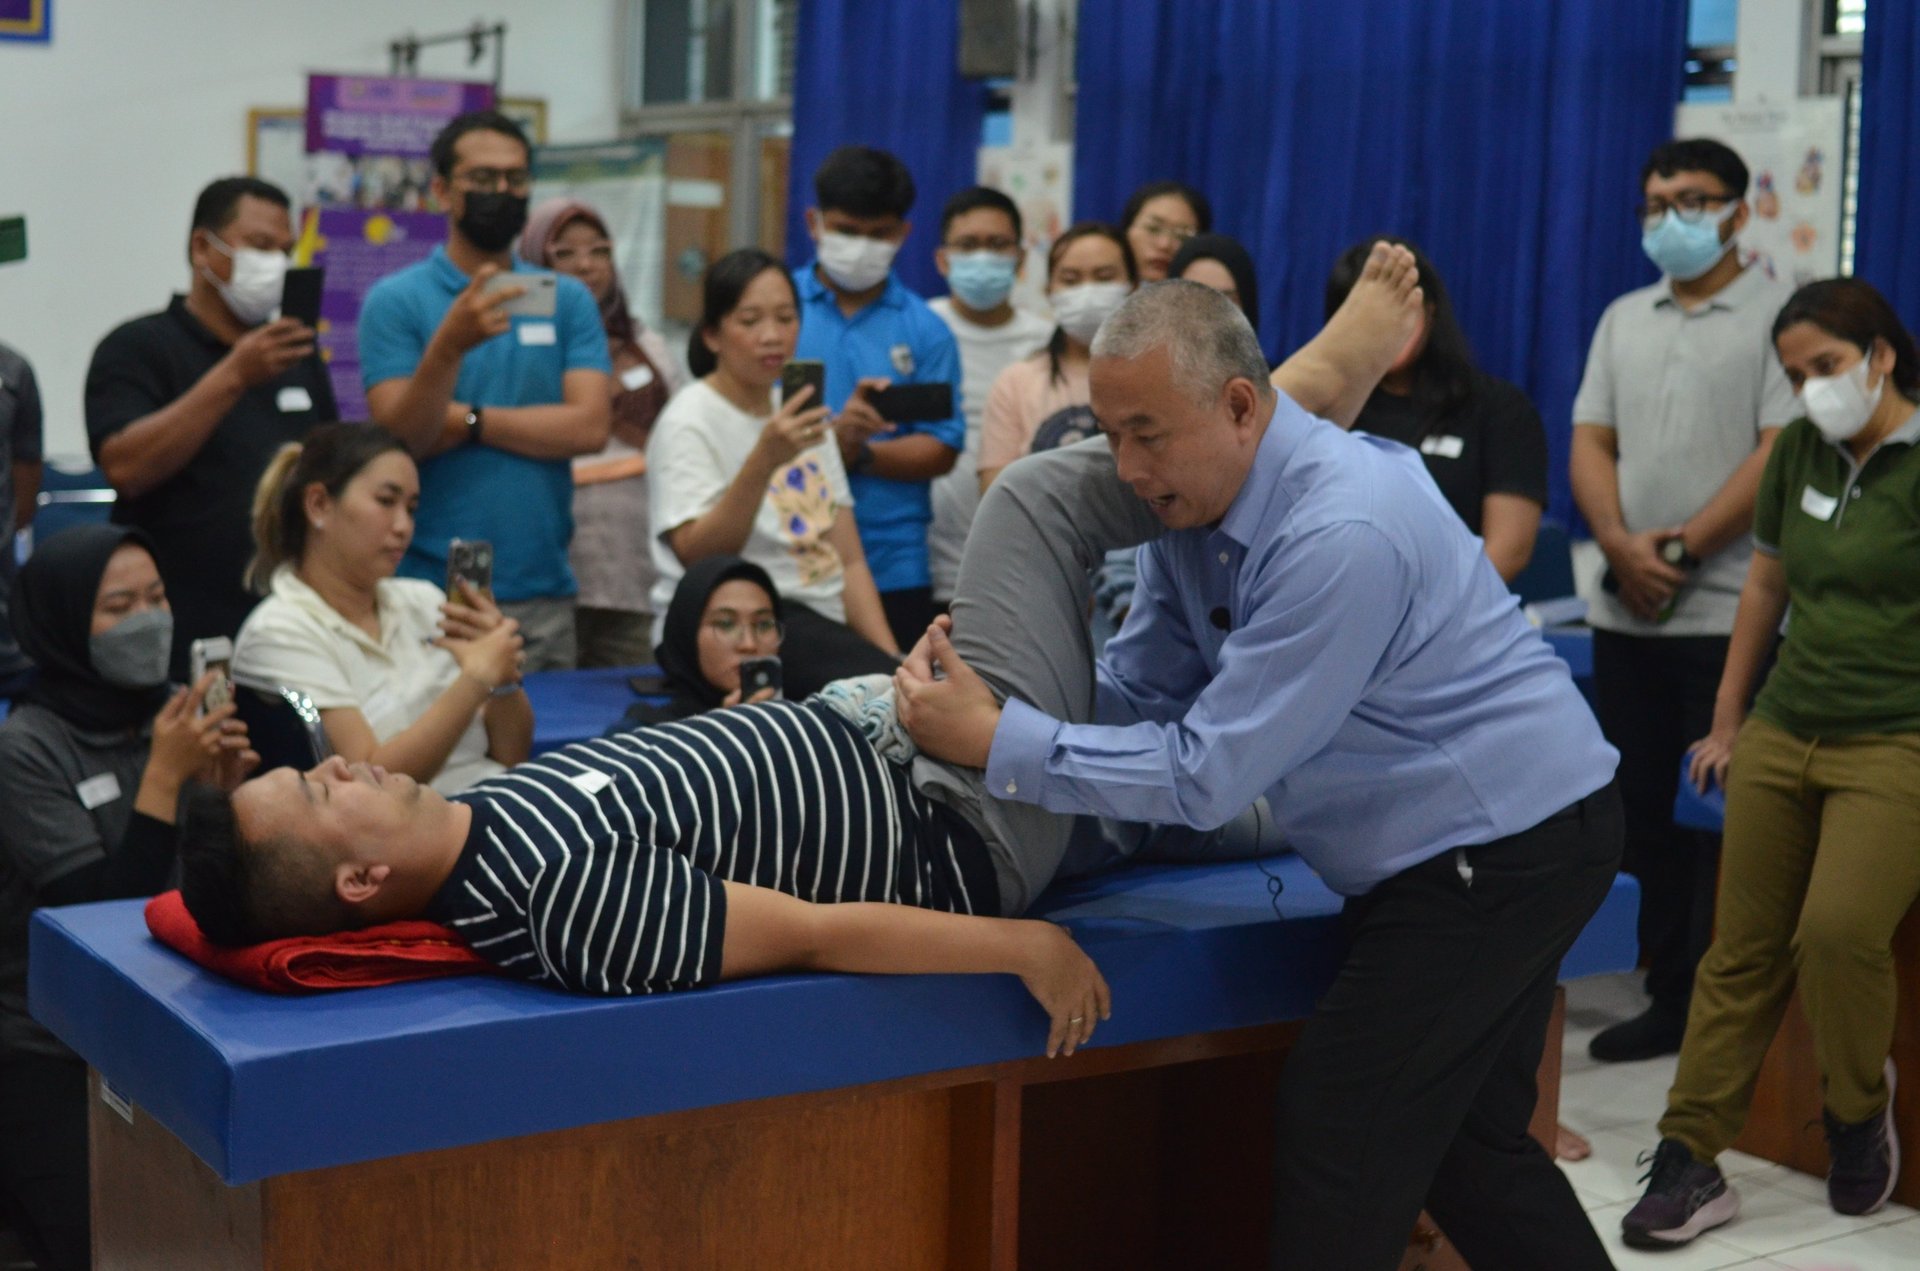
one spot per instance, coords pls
(1743, 455)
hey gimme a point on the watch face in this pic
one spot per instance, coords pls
(1673, 551)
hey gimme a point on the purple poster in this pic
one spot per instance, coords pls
(26, 20)
(358, 248)
(375, 114)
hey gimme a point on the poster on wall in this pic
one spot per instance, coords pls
(626, 182)
(1795, 155)
(367, 198)
(1039, 180)
(30, 21)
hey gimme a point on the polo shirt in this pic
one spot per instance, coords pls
(899, 338)
(1687, 394)
(1492, 443)
(21, 421)
(1848, 535)
(523, 506)
(297, 640)
(200, 518)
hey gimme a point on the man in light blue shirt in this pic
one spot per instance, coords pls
(1318, 627)
(859, 319)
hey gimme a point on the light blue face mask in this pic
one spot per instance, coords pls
(981, 280)
(1683, 250)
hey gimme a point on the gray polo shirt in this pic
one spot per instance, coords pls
(69, 797)
(1687, 394)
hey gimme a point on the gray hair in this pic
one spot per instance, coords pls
(1206, 336)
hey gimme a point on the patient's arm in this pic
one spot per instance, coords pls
(770, 931)
(1334, 373)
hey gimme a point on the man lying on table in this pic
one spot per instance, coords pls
(742, 842)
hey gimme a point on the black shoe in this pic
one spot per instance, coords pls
(1654, 1032)
(1683, 1199)
(1865, 1159)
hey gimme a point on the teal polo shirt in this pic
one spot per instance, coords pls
(523, 506)
(899, 338)
(1848, 536)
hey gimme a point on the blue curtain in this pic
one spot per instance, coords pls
(1503, 136)
(881, 73)
(1886, 250)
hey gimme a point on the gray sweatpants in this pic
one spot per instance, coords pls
(1020, 620)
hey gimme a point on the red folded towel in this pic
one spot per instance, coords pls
(391, 953)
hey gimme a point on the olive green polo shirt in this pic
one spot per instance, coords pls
(1849, 537)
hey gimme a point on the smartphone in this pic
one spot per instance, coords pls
(215, 653)
(758, 674)
(469, 561)
(300, 295)
(537, 302)
(802, 374)
(914, 403)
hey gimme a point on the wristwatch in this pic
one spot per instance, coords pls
(476, 423)
(1674, 552)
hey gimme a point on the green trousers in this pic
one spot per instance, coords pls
(1820, 863)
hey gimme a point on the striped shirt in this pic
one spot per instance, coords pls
(598, 867)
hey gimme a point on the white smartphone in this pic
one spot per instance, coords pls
(215, 653)
(538, 300)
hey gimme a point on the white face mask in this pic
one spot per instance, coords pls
(258, 278)
(856, 263)
(1080, 310)
(1841, 405)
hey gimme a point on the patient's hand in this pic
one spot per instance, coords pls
(953, 718)
(1068, 986)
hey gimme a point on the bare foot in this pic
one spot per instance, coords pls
(1335, 372)
(1568, 1146)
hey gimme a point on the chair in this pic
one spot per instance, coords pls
(72, 492)
(282, 724)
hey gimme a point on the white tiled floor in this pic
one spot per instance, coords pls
(1784, 1219)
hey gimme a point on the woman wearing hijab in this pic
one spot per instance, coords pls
(92, 760)
(610, 556)
(724, 611)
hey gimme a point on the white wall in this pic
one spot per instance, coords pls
(107, 134)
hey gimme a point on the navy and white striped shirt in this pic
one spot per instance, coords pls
(598, 867)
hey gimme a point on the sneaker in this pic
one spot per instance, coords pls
(1684, 1199)
(1652, 1033)
(1866, 1159)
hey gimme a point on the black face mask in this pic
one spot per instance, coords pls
(492, 219)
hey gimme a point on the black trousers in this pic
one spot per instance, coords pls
(43, 1158)
(817, 651)
(1413, 1082)
(1654, 698)
(909, 612)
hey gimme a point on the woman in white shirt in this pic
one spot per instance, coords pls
(404, 678)
(729, 475)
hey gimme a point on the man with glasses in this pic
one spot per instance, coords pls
(186, 406)
(1680, 403)
(495, 397)
(980, 255)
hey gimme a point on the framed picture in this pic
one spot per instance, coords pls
(28, 20)
(277, 147)
(529, 112)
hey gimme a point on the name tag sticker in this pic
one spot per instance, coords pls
(590, 783)
(636, 377)
(95, 791)
(294, 398)
(537, 333)
(1817, 505)
(1445, 447)
(902, 357)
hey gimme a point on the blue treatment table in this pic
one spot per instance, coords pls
(1698, 811)
(570, 706)
(440, 1124)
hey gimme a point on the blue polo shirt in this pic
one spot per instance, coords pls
(899, 337)
(523, 506)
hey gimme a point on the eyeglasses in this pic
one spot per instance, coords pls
(1689, 205)
(1160, 229)
(567, 255)
(730, 629)
(983, 245)
(487, 180)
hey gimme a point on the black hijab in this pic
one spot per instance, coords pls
(1234, 257)
(53, 596)
(679, 649)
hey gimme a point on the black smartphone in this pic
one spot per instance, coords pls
(914, 403)
(469, 561)
(800, 374)
(758, 674)
(300, 294)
